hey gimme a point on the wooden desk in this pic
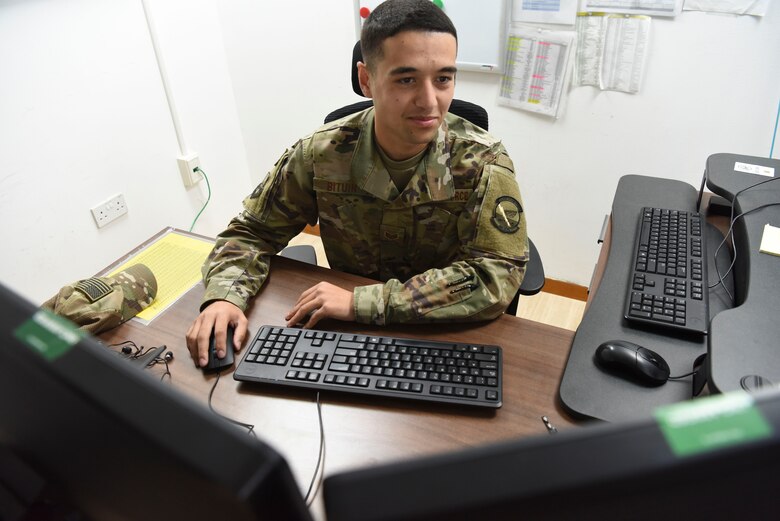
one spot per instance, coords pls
(361, 431)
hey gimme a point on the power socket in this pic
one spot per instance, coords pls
(187, 166)
(109, 210)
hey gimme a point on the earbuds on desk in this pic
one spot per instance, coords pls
(168, 356)
(127, 350)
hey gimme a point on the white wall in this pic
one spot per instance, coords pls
(83, 116)
(290, 66)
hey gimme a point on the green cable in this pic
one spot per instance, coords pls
(198, 169)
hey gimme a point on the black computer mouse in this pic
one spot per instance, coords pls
(634, 361)
(217, 364)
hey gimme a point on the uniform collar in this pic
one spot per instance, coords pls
(432, 181)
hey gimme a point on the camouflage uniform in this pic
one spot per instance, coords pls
(100, 303)
(451, 246)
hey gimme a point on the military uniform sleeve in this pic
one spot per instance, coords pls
(485, 277)
(276, 211)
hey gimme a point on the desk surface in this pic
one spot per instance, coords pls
(361, 431)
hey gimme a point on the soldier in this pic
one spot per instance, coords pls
(404, 192)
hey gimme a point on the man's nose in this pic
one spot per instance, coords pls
(426, 95)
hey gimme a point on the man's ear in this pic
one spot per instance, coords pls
(363, 79)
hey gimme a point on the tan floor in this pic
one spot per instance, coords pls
(544, 307)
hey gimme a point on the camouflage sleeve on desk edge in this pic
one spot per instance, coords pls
(274, 213)
(479, 286)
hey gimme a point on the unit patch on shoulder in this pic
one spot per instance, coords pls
(506, 214)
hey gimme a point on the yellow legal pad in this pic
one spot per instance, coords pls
(175, 258)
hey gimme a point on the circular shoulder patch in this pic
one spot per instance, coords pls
(506, 214)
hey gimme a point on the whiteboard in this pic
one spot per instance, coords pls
(482, 30)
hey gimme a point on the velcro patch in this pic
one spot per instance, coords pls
(503, 161)
(94, 289)
(392, 233)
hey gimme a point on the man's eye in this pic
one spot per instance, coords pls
(406, 81)
(445, 79)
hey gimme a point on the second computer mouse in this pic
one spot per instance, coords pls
(634, 361)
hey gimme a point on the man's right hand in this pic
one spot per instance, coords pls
(216, 316)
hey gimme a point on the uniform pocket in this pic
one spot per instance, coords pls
(435, 234)
(355, 241)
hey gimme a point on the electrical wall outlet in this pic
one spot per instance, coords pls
(109, 210)
(187, 166)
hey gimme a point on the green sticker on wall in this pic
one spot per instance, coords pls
(48, 334)
(712, 423)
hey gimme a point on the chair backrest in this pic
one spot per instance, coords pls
(469, 111)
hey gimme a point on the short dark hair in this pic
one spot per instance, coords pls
(394, 16)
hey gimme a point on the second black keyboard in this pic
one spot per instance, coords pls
(668, 281)
(451, 372)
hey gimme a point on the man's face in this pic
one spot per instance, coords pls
(412, 86)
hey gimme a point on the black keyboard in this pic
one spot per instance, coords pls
(668, 284)
(451, 372)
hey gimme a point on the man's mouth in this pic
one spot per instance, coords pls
(424, 121)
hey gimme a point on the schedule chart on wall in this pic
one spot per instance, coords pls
(536, 66)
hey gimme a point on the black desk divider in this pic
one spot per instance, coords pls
(744, 342)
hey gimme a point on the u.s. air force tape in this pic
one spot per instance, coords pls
(506, 214)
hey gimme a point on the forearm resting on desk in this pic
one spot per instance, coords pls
(477, 289)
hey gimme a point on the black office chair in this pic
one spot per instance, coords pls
(301, 252)
(533, 282)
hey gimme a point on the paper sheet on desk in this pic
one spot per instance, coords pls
(175, 259)
(770, 240)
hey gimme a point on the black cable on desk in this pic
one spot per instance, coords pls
(316, 478)
(318, 469)
(733, 220)
(248, 426)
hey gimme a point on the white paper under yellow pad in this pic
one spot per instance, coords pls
(176, 260)
(770, 241)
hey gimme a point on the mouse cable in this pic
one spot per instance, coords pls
(734, 252)
(319, 468)
(722, 277)
(248, 426)
(682, 375)
(732, 220)
(208, 198)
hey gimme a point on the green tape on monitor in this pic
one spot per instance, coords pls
(712, 423)
(48, 334)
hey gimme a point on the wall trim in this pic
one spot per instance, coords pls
(565, 289)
